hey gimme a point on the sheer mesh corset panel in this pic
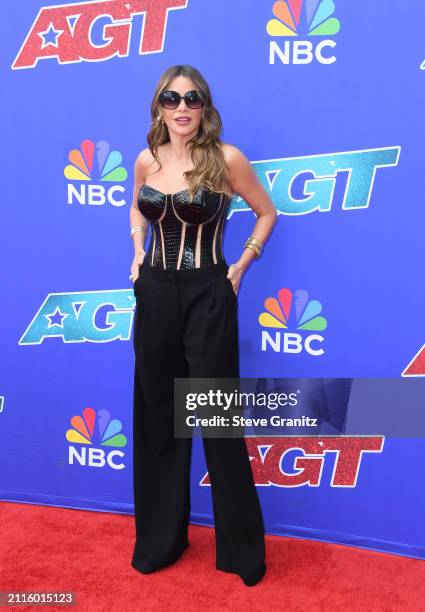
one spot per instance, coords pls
(184, 234)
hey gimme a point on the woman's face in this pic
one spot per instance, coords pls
(183, 121)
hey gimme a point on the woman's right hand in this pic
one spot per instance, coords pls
(135, 266)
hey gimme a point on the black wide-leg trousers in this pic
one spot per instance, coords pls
(186, 325)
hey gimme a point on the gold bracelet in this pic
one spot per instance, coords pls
(251, 243)
(256, 241)
(253, 248)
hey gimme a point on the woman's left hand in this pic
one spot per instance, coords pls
(234, 274)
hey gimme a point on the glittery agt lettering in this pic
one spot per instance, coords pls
(268, 456)
(65, 32)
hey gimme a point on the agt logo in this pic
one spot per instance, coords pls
(294, 18)
(85, 316)
(108, 169)
(95, 31)
(89, 438)
(298, 461)
(303, 313)
(308, 184)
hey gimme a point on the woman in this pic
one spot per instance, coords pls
(186, 323)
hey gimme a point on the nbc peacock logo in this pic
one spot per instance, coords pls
(292, 310)
(90, 167)
(302, 18)
(91, 431)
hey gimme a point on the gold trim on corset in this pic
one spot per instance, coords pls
(162, 244)
(182, 237)
(198, 247)
(154, 244)
(216, 230)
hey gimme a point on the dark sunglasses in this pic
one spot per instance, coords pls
(171, 99)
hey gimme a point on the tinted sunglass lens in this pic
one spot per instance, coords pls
(170, 100)
(193, 99)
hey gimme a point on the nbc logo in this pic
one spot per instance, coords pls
(83, 169)
(304, 312)
(294, 18)
(107, 434)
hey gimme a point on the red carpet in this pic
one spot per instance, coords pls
(51, 549)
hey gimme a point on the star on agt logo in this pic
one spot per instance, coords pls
(89, 438)
(295, 18)
(95, 31)
(82, 169)
(290, 307)
(299, 461)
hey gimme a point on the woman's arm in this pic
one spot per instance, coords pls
(246, 183)
(136, 217)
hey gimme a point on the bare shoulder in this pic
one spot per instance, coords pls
(142, 164)
(242, 176)
(233, 156)
(238, 165)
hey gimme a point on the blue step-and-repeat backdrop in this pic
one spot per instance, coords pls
(326, 100)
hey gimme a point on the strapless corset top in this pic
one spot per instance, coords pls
(184, 233)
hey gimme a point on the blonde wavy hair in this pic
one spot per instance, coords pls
(210, 169)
